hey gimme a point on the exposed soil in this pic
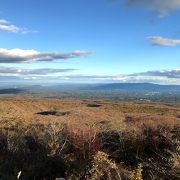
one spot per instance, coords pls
(94, 105)
(53, 113)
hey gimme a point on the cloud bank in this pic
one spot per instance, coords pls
(160, 41)
(6, 26)
(160, 7)
(20, 55)
(159, 76)
(59, 76)
(22, 71)
(163, 73)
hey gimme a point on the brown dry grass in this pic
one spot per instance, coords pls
(114, 112)
(130, 133)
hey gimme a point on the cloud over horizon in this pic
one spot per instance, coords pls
(160, 7)
(158, 76)
(21, 55)
(163, 73)
(52, 76)
(13, 71)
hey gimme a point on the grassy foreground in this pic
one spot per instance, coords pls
(130, 149)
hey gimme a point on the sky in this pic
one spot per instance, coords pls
(89, 41)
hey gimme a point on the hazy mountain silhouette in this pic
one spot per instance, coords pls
(138, 87)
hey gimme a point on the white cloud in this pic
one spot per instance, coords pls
(160, 41)
(6, 26)
(9, 28)
(3, 21)
(119, 79)
(148, 79)
(66, 75)
(160, 7)
(162, 73)
(159, 76)
(13, 71)
(21, 55)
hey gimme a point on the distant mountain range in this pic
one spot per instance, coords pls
(128, 87)
(138, 87)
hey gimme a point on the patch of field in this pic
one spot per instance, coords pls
(78, 113)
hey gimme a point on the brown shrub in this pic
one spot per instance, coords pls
(84, 143)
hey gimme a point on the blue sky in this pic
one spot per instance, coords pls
(90, 41)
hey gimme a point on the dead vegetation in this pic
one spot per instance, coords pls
(107, 142)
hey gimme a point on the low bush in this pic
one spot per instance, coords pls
(46, 152)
